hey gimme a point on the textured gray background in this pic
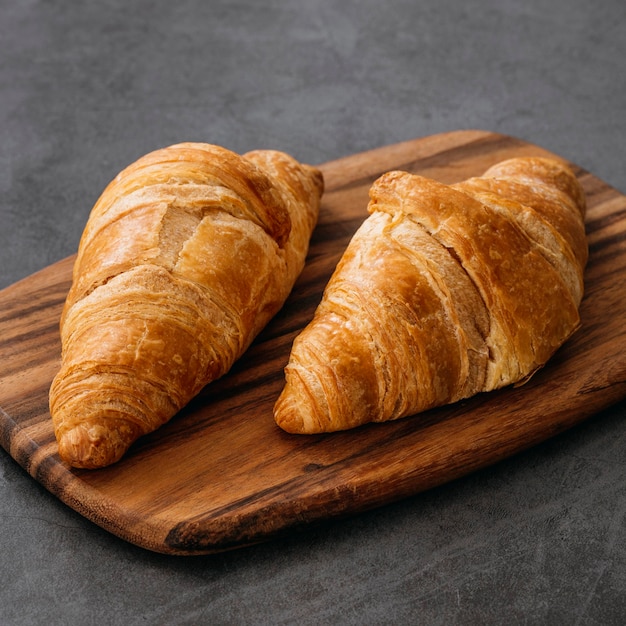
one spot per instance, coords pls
(87, 87)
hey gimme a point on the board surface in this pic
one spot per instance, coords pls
(222, 475)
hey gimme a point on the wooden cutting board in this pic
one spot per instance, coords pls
(221, 474)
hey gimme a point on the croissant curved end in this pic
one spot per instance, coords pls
(90, 445)
(289, 415)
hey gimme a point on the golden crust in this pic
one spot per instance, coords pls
(443, 292)
(185, 257)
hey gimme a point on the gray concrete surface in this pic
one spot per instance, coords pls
(87, 87)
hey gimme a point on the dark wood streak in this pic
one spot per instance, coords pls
(221, 475)
(602, 242)
(40, 335)
(7, 428)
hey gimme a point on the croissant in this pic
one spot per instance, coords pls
(185, 257)
(443, 292)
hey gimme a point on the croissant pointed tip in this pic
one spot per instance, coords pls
(92, 446)
(291, 423)
(289, 415)
(288, 419)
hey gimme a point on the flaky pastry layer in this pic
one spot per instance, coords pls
(445, 291)
(185, 257)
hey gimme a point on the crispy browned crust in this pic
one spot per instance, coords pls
(185, 257)
(444, 292)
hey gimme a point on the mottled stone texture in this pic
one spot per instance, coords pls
(87, 87)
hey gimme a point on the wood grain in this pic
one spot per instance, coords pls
(221, 475)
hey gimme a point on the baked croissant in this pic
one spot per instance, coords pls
(185, 257)
(443, 292)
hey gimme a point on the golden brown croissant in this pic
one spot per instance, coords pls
(443, 292)
(185, 257)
